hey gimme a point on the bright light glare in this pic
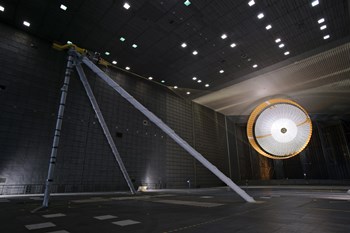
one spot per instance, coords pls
(315, 3)
(260, 16)
(251, 3)
(63, 7)
(320, 20)
(126, 6)
(25, 23)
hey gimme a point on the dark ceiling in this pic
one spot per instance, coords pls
(159, 27)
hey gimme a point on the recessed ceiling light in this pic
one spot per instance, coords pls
(69, 42)
(281, 45)
(188, 93)
(255, 65)
(207, 85)
(184, 45)
(260, 16)
(2, 8)
(315, 3)
(107, 53)
(194, 78)
(268, 27)
(195, 52)
(134, 46)
(323, 27)
(122, 39)
(199, 81)
(223, 36)
(175, 87)
(162, 81)
(233, 45)
(25, 23)
(114, 62)
(286, 53)
(326, 37)
(321, 20)
(63, 7)
(251, 3)
(127, 68)
(126, 6)
(221, 71)
(187, 3)
(278, 40)
(150, 78)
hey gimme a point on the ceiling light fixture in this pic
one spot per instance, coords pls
(326, 37)
(223, 36)
(286, 53)
(114, 62)
(199, 81)
(251, 3)
(260, 16)
(127, 68)
(134, 46)
(321, 20)
(175, 87)
(184, 45)
(323, 27)
(315, 3)
(221, 71)
(255, 65)
(281, 45)
(187, 3)
(188, 93)
(122, 39)
(63, 7)
(25, 23)
(195, 52)
(233, 45)
(2, 8)
(207, 85)
(107, 53)
(268, 27)
(150, 78)
(194, 78)
(278, 40)
(126, 6)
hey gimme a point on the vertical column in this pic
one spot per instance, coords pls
(56, 138)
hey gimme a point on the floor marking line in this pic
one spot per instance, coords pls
(105, 217)
(127, 222)
(189, 203)
(54, 215)
(39, 225)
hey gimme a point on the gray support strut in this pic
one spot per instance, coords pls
(166, 129)
(104, 126)
(56, 139)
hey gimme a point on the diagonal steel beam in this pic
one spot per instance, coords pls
(104, 126)
(165, 128)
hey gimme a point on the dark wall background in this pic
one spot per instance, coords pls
(32, 74)
(326, 160)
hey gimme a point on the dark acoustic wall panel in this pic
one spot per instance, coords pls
(32, 74)
(212, 144)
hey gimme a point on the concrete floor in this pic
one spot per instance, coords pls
(280, 209)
